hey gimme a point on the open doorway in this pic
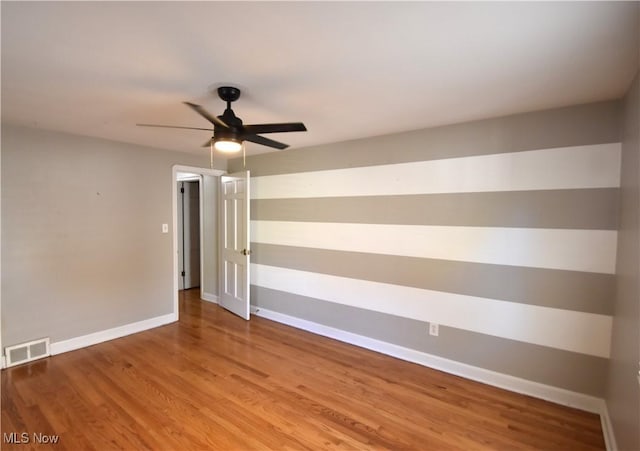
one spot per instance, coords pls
(189, 231)
(195, 234)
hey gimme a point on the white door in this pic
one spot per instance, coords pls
(234, 239)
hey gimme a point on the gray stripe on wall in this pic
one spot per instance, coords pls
(557, 209)
(595, 123)
(533, 362)
(569, 290)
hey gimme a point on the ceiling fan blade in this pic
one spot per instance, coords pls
(204, 113)
(275, 128)
(208, 143)
(265, 141)
(173, 126)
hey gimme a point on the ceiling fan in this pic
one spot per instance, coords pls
(228, 130)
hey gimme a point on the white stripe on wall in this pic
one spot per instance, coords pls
(577, 250)
(595, 166)
(586, 333)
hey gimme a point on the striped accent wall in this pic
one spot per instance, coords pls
(503, 236)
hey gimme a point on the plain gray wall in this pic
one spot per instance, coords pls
(82, 248)
(623, 389)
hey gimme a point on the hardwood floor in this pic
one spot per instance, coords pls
(214, 381)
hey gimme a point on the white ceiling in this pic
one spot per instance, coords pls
(347, 70)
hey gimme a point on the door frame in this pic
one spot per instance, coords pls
(174, 212)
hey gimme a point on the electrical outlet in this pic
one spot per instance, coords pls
(165, 228)
(434, 329)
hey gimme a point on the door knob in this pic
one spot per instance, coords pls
(246, 252)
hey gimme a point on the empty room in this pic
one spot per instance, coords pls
(320, 225)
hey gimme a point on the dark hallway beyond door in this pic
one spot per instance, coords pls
(189, 234)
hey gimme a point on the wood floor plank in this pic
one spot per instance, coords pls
(215, 381)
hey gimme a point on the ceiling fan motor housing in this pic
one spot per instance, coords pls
(230, 118)
(221, 134)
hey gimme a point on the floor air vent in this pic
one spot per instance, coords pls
(26, 352)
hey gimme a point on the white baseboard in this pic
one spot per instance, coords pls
(607, 429)
(512, 383)
(209, 297)
(105, 335)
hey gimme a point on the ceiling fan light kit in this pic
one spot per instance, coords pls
(229, 132)
(227, 145)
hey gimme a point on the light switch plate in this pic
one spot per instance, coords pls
(165, 228)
